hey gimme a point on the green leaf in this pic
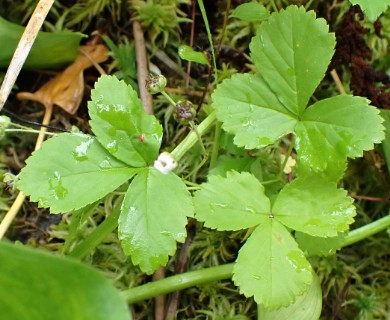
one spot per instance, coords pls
(343, 126)
(153, 218)
(227, 163)
(271, 267)
(316, 246)
(386, 142)
(71, 171)
(306, 307)
(232, 203)
(251, 12)
(251, 111)
(372, 8)
(292, 51)
(121, 125)
(50, 49)
(38, 285)
(315, 206)
(189, 54)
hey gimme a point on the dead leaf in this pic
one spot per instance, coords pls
(66, 88)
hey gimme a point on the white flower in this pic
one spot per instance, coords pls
(165, 163)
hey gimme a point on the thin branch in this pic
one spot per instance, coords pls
(338, 82)
(142, 67)
(23, 48)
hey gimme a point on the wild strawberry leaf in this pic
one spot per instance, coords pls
(372, 9)
(251, 11)
(318, 246)
(121, 124)
(251, 111)
(232, 203)
(292, 51)
(336, 128)
(153, 218)
(306, 307)
(71, 171)
(314, 206)
(270, 266)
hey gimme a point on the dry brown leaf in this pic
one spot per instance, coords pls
(66, 88)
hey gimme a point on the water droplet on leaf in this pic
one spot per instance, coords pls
(112, 147)
(250, 209)
(56, 186)
(105, 164)
(80, 153)
(297, 260)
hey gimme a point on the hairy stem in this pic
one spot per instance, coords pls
(192, 137)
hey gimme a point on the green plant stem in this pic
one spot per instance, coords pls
(168, 97)
(97, 235)
(367, 231)
(192, 137)
(206, 23)
(274, 6)
(178, 282)
(30, 131)
(193, 278)
(214, 152)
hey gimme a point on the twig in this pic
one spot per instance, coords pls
(181, 266)
(18, 59)
(94, 63)
(338, 82)
(159, 308)
(142, 67)
(23, 48)
(147, 101)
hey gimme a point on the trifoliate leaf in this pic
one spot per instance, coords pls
(251, 111)
(315, 206)
(121, 124)
(372, 8)
(71, 171)
(189, 54)
(232, 203)
(292, 51)
(318, 246)
(153, 218)
(40, 285)
(271, 267)
(336, 128)
(251, 12)
(306, 307)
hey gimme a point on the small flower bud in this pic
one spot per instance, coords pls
(156, 83)
(165, 163)
(184, 112)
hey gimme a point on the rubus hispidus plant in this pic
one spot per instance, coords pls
(291, 52)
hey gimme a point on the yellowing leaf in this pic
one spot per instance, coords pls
(67, 87)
